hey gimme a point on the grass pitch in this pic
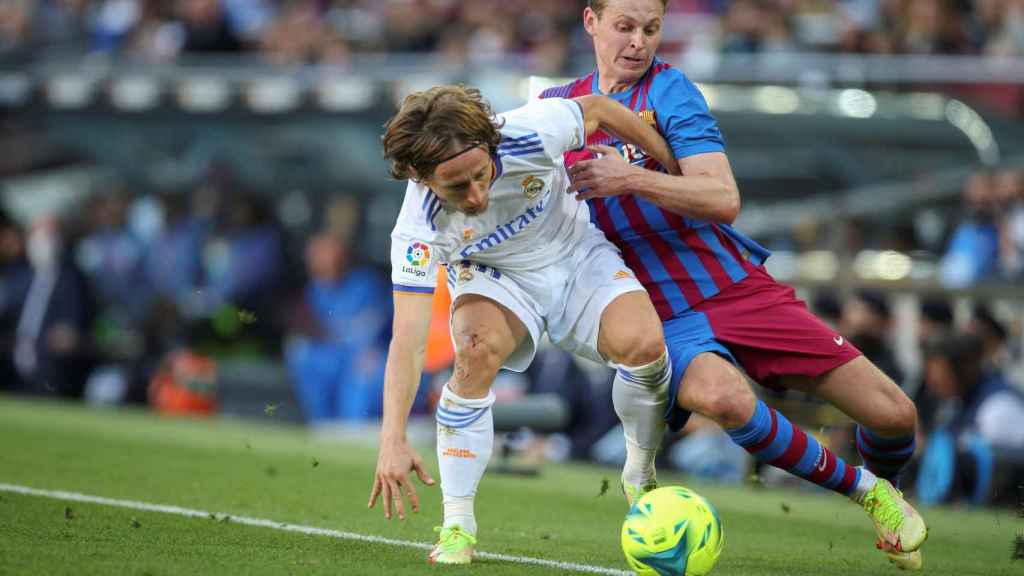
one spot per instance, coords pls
(285, 475)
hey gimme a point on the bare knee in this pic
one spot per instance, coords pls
(724, 397)
(645, 347)
(633, 344)
(898, 418)
(731, 410)
(630, 332)
(479, 354)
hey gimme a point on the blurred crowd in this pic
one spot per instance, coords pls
(988, 243)
(140, 297)
(546, 35)
(989, 27)
(968, 394)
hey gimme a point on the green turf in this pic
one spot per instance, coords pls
(268, 472)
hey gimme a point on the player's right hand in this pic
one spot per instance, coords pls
(394, 462)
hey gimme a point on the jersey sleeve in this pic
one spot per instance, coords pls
(557, 122)
(683, 115)
(414, 258)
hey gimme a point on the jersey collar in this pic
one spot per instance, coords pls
(595, 84)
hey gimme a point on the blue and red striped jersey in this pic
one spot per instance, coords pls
(681, 261)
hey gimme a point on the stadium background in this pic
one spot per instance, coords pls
(196, 213)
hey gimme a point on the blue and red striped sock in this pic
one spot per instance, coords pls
(886, 457)
(773, 439)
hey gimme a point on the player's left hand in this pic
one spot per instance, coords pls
(606, 175)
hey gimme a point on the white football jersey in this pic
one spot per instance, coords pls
(530, 222)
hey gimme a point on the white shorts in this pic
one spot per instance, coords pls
(566, 299)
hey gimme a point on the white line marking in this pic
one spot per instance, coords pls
(311, 530)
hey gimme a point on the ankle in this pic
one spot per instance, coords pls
(864, 485)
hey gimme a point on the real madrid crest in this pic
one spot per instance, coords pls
(532, 187)
(465, 275)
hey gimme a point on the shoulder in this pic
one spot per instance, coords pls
(667, 80)
(533, 116)
(525, 129)
(578, 87)
(419, 208)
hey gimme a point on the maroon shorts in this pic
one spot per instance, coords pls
(771, 333)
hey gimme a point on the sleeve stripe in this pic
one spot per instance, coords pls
(508, 139)
(558, 91)
(523, 152)
(515, 145)
(413, 289)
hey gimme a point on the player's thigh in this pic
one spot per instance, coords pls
(630, 331)
(599, 281)
(864, 393)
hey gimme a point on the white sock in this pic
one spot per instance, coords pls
(465, 439)
(864, 485)
(640, 397)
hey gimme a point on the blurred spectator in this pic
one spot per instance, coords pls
(173, 258)
(15, 277)
(741, 27)
(586, 394)
(339, 336)
(826, 306)
(931, 27)
(241, 260)
(15, 23)
(157, 36)
(976, 399)
(993, 335)
(51, 350)
(62, 22)
(1009, 192)
(936, 318)
(973, 250)
(206, 27)
(708, 453)
(300, 36)
(1006, 37)
(977, 430)
(111, 257)
(867, 321)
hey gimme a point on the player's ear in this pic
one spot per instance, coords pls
(590, 20)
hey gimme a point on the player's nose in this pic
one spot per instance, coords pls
(637, 39)
(475, 199)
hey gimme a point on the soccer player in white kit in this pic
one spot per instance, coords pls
(488, 197)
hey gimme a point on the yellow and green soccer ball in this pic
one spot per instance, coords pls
(672, 531)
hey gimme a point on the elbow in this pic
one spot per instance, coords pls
(731, 207)
(593, 107)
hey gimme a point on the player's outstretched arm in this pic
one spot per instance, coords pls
(601, 112)
(396, 458)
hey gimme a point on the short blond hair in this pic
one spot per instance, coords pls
(598, 6)
(431, 124)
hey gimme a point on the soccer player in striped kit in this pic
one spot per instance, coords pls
(487, 197)
(720, 308)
